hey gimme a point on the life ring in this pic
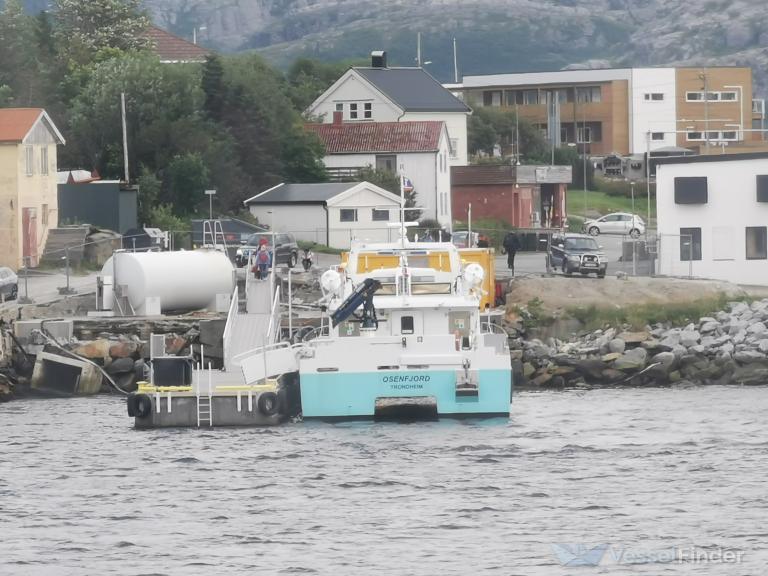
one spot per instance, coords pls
(267, 403)
(143, 405)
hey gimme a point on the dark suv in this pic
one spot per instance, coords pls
(577, 253)
(285, 250)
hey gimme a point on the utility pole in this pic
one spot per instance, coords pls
(418, 49)
(455, 64)
(125, 138)
(703, 76)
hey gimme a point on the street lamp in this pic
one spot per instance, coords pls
(210, 194)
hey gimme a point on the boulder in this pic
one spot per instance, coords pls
(617, 345)
(689, 338)
(739, 337)
(634, 337)
(612, 375)
(698, 349)
(726, 348)
(174, 344)
(125, 349)
(631, 360)
(748, 356)
(669, 341)
(675, 376)
(679, 350)
(608, 358)
(94, 350)
(121, 365)
(708, 327)
(542, 379)
(591, 368)
(751, 374)
(528, 370)
(763, 346)
(756, 328)
(738, 307)
(127, 381)
(664, 359)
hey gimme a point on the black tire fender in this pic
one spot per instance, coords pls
(143, 404)
(131, 402)
(267, 403)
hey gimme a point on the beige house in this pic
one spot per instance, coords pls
(28, 186)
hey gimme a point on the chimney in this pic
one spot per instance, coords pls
(338, 117)
(378, 59)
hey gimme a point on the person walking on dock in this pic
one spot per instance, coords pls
(263, 262)
(511, 245)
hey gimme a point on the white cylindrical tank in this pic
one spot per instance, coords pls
(184, 280)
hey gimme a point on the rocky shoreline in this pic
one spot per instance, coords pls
(730, 347)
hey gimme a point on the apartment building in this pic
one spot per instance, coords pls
(628, 111)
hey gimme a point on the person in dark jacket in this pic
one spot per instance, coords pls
(511, 245)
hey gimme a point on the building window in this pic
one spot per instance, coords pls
(690, 244)
(657, 135)
(386, 162)
(348, 215)
(757, 243)
(44, 161)
(368, 110)
(530, 97)
(45, 214)
(29, 156)
(492, 98)
(564, 134)
(454, 148)
(762, 188)
(694, 136)
(654, 96)
(691, 190)
(380, 215)
(340, 107)
(589, 94)
(353, 111)
(711, 96)
(584, 135)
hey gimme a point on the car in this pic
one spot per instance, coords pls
(616, 223)
(9, 283)
(285, 250)
(577, 253)
(459, 239)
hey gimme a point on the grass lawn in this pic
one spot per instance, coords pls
(599, 203)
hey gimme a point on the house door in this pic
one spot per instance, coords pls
(29, 236)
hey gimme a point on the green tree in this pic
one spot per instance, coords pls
(150, 189)
(489, 127)
(16, 56)
(84, 28)
(391, 182)
(186, 178)
(213, 87)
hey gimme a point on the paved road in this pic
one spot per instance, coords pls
(43, 287)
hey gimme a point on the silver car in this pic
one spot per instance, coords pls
(616, 223)
(9, 283)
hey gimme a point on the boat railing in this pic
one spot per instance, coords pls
(273, 330)
(227, 336)
(315, 332)
(260, 350)
(492, 328)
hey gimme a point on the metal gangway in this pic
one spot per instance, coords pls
(258, 325)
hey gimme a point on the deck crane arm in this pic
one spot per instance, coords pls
(363, 295)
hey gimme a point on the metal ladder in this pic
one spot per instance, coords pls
(213, 235)
(204, 403)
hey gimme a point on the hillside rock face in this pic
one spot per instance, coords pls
(492, 35)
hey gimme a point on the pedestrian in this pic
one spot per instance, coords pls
(511, 244)
(263, 262)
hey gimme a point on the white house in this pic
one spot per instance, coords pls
(418, 150)
(331, 213)
(382, 94)
(713, 216)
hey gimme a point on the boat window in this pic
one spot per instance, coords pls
(436, 288)
(406, 325)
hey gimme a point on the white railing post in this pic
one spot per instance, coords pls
(227, 336)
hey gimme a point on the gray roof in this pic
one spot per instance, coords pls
(413, 89)
(301, 193)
